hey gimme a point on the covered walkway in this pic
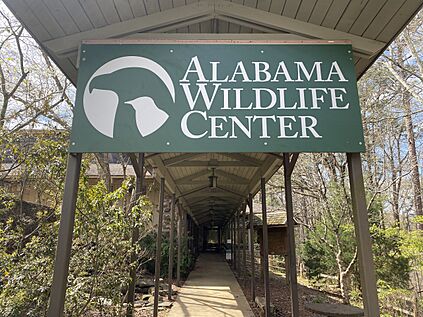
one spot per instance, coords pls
(211, 290)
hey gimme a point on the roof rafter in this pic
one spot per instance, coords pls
(213, 163)
(158, 22)
(280, 23)
(180, 158)
(214, 9)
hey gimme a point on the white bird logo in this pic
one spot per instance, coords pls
(100, 105)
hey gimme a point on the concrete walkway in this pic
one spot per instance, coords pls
(211, 290)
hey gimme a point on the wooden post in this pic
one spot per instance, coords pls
(238, 244)
(231, 234)
(288, 166)
(251, 243)
(362, 234)
(179, 255)
(64, 244)
(139, 190)
(265, 242)
(235, 244)
(158, 250)
(171, 247)
(244, 246)
(219, 239)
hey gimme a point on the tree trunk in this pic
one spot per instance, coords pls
(395, 187)
(104, 170)
(415, 174)
(343, 279)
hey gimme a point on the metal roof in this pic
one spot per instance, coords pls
(59, 26)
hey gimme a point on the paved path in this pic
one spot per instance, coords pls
(211, 290)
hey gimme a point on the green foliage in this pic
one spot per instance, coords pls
(315, 259)
(319, 254)
(187, 259)
(392, 265)
(99, 269)
(412, 246)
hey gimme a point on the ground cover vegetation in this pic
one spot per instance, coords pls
(36, 103)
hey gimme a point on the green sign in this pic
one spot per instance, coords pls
(216, 97)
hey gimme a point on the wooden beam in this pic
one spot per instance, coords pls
(214, 194)
(196, 190)
(180, 158)
(219, 37)
(206, 182)
(140, 189)
(208, 205)
(231, 176)
(362, 236)
(171, 248)
(213, 163)
(157, 258)
(193, 176)
(170, 182)
(64, 244)
(243, 158)
(288, 164)
(251, 245)
(265, 244)
(268, 168)
(360, 44)
(179, 250)
(135, 165)
(229, 200)
(149, 23)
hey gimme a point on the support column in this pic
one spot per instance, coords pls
(231, 234)
(265, 242)
(139, 190)
(158, 250)
(64, 244)
(251, 243)
(362, 234)
(235, 244)
(288, 167)
(238, 244)
(171, 247)
(219, 237)
(244, 247)
(179, 256)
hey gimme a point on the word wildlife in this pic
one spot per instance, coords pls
(261, 106)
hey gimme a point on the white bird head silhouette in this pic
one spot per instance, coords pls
(148, 116)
